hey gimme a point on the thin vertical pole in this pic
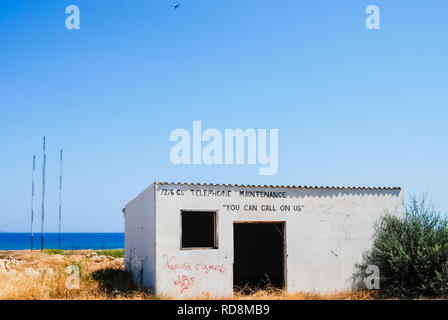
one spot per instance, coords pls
(60, 198)
(43, 196)
(32, 202)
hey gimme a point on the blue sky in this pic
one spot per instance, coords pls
(353, 107)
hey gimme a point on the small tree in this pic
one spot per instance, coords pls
(412, 252)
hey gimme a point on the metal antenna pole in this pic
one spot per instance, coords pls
(32, 201)
(43, 197)
(60, 198)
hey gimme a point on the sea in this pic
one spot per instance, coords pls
(65, 241)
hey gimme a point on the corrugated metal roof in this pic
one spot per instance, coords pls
(273, 186)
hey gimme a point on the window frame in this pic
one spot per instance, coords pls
(215, 231)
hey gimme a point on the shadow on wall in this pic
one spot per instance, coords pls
(136, 267)
(366, 275)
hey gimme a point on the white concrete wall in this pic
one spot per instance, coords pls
(140, 257)
(324, 240)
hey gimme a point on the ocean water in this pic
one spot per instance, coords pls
(69, 241)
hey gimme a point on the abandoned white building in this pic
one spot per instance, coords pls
(188, 240)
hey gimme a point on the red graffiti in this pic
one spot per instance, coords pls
(200, 267)
(184, 282)
(208, 268)
(176, 266)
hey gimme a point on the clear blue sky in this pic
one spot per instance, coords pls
(353, 107)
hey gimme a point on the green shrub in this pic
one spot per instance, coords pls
(412, 252)
(54, 251)
(114, 253)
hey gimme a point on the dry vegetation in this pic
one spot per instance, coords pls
(274, 294)
(39, 275)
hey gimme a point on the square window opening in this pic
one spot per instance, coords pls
(199, 230)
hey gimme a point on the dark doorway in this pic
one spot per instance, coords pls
(259, 255)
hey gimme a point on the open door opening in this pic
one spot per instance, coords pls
(259, 255)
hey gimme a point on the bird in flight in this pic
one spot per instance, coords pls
(176, 5)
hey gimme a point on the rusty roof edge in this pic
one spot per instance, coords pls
(273, 186)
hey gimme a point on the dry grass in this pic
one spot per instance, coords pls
(275, 294)
(43, 276)
(35, 275)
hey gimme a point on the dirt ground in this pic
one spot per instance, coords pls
(88, 275)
